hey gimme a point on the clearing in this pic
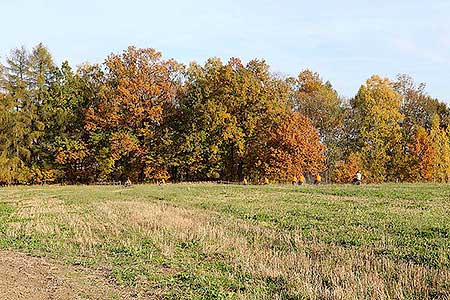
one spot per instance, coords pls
(208, 241)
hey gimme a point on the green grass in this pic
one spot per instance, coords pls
(207, 241)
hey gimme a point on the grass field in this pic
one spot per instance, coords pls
(207, 241)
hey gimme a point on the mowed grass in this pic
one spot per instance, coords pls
(208, 241)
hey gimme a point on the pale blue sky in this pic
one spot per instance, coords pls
(345, 41)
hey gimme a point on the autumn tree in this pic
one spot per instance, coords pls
(345, 169)
(318, 101)
(441, 143)
(139, 87)
(295, 148)
(66, 140)
(422, 156)
(143, 117)
(227, 108)
(323, 106)
(378, 137)
(238, 118)
(417, 107)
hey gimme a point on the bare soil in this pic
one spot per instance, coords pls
(23, 277)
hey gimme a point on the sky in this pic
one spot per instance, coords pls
(344, 41)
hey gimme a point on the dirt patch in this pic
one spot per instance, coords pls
(23, 277)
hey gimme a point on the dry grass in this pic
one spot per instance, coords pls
(172, 248)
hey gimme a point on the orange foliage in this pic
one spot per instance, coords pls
(345, 171)
(295, 148)
(122, 143)
(72, 153)
(423, 156)
(139, 83)
(139, 87)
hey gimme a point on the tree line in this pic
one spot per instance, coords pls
(141, 116)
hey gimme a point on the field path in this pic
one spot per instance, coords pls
(23, 277)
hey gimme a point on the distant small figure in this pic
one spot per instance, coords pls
(357, 179)
(266, 180)
(301, 179)
(294, 180)
(244, 182)
(318, 179)
(128, 183)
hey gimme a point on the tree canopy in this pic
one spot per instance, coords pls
(144, 117)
